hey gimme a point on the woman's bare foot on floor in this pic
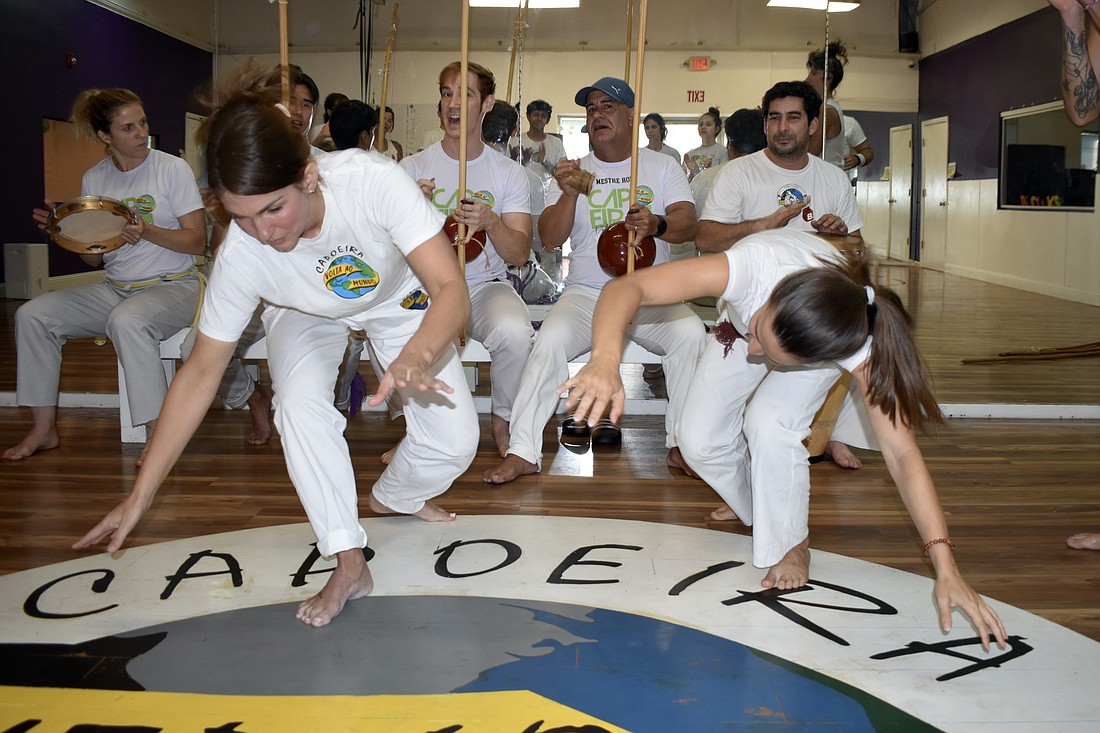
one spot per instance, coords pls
(676, 460)
(793, 571)
(511, 468)
(350, 580)
(35, 442)
(388, 455)
(259, 405)
(723, 514)
(842, 455)
(1084, 541)
(501, 434)
(430, 512)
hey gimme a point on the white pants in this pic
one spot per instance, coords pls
(499, 319)
(237, 384)
(673, 331)
(136, 320)
(736, 409)
(304, 354)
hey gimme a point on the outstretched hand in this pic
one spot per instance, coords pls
(116, 525)
(408, 372)
(954, 592)
(594, 389)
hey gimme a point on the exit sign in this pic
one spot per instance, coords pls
(699, 63)
(696, 96)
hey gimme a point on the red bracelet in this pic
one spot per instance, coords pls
(942, 540)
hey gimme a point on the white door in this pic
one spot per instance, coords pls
(901, 191)
(933, 205)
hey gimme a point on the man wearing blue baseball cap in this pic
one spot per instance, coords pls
(577, 212)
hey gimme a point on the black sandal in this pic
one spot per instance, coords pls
(570, 428)
(607, 433)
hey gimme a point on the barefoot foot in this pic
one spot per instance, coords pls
(259, 406)
(722, 514)
(675, 459)
(33, 443)
(350, 580)
(388, 455)
(793, 571)
(1084, 541)
(511, 468)
(500, 429)
(842, 455)
(430, 512)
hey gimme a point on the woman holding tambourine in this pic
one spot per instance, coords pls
(141, 217)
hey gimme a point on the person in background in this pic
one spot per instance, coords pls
(860, 153)
(151, 287)
(541, 150)
(710, 154)
(391, 148)
(656, 131)
(323, 138)
(831, 129)
(1080, 66)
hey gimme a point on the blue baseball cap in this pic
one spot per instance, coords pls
(617, 89)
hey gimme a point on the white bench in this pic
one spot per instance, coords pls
(473, 353)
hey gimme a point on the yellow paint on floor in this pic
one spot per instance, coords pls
(484, 712)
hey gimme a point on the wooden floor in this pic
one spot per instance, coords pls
(1013, 489)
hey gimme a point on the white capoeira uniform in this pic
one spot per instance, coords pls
(499, 318)
(739, 407)
(752, 186)
(149, 292)
(353, 274)
(673, 331)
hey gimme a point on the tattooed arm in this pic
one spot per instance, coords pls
(1080, 58)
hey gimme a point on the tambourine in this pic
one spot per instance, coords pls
(474, 247)
(613, 247)
(89, 225)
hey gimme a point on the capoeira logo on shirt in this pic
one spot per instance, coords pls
(607, 207)
(791, 193)
(350, 277)
(143, 205)
(447, 201)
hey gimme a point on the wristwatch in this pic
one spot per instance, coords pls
(662, 226)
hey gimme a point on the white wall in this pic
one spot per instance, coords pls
(739, 79)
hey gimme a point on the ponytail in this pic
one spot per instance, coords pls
(827, 313)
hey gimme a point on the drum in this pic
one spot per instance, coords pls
(474, 246)
(89, 225)
(613, 247)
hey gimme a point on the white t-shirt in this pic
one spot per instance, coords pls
(660, 184)
(752, 186)
(670, 151)
(553, 147)
(491, 179)
(835, 147)
(760, 261)
(354, 270)
(160, 190)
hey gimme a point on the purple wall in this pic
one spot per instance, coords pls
(111, 51)
(1016, 65)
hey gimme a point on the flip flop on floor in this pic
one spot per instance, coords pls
(607, 433)
(573, 429)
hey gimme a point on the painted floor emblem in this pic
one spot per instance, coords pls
(525, 624)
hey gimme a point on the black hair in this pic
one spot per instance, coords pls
(811, 100)
(539, 105)
(745, 131)
(499, 123)
(348, 120)
(837, 58)
(660, 123)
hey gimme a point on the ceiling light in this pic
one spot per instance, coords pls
(833, 6)
(534, 4)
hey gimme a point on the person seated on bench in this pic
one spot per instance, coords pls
(674, 331)
(151, 288)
